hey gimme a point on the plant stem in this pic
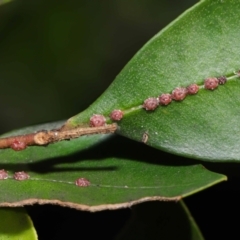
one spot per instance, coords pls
(46, 137)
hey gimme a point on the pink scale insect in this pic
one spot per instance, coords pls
(165, 99)
(82, 182)
(192, 89)
(211, 83)
(97, 120)
(3, 174)
(116, 115)
(18, 145)
(150, 104)
(21, 176)
(179, 93)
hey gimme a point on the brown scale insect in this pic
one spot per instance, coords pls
(192, 89)
(3, 174)
(18, 146)
(97, 120)
(150, 104)
(222, 80)
(165, 99)
(20, 176)
(211, 83)
(179, 93)
(82, 182)
(145, 137)
(116, 115)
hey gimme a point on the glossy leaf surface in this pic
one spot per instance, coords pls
(201, 43)
(121, 173)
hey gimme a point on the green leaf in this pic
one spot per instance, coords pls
(15, 224)
(121, 173)
(203, 42)
(160, 220)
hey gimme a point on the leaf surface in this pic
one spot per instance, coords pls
(15, 224)
(203, 42)
(121, 173)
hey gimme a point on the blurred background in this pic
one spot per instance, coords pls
(56, 58)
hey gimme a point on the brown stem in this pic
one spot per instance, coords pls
(28, 139)
(43, 138)
(46, 137)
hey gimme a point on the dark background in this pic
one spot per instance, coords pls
(56, 58)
